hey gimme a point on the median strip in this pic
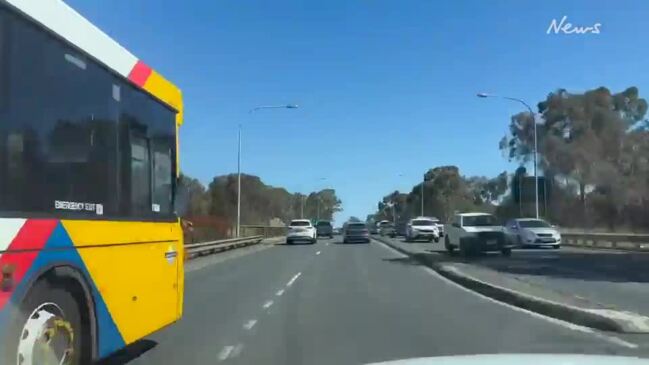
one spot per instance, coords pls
(602, 319)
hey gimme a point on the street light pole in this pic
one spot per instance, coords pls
(318, 200)
(536, 176)
(239, 184)
(422, 195)
(288, 106)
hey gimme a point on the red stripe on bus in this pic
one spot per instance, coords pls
(32, 236)
(140, 73)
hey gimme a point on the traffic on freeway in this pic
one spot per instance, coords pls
(413, 182)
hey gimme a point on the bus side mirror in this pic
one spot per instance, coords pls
(181, 198)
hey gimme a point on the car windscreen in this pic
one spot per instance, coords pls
(534, 224)
(385, 224)
(323, 224)
(300, 224)
(423, 222)
(479, 221)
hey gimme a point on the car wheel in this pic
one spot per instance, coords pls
(288, 242)
(436, 239)
(47, 328)
(465, 250)
(447, 245)
(345, 241)
(506, 251)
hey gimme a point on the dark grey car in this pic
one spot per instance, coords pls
(324, 228)
(356, 232)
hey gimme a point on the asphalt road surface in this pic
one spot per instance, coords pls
(331, 303)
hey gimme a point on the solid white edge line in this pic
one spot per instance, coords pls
(290, 282)
(392, 250)
(612, 339)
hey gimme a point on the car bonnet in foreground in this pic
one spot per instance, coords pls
(517, 359)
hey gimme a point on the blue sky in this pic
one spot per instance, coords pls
(385, 87)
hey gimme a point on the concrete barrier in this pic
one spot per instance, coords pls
(615, 241)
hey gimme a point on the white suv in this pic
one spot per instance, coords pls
(301, 230)
(473, 233)
(422, 228)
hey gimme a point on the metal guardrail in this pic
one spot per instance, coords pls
(266, 231)
(193, 250)
(617, 241)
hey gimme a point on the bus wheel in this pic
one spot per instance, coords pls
(48, 328)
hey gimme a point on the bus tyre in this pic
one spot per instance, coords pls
(47, 329)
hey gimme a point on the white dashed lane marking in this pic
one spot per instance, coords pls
(290, 282)
(251, 323)
(268, 304)
(225, 353)
(280, 292)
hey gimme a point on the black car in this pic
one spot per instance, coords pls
(324, 228)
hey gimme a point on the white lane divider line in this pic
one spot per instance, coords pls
(251, 323)
(280, 292)
(236, 350)
(225, 352)
(290, 282)
(317, 253)
(268, 304)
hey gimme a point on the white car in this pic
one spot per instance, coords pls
(422, 228)
(440, 226)
(301, 230)
(531, 232)
(476, 232)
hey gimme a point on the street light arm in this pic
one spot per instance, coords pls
(536, 176)
(287, 106)
(522, 102)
